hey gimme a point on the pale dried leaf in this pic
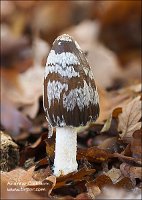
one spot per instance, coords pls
(8, 113)
(30, 83)
(131, 171)
(114, 174)
(129, 119)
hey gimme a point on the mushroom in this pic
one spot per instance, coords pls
(70, 99)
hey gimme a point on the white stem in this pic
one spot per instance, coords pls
(65, 151)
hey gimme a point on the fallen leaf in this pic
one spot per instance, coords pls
(93, 154)
(30, 82)
(127, 159)
(43, 188)
(136, 144)
(111, 123)
(17, 175)
(71, 189)
(114, 174)
(9, 194)
(131, 171)
(93, 190)
(74, 177)
(37, 150)
(21, 180)
(96, 187)
(8, 113)
(127, 151)
(102, 180)
(129, 119)
(124, 183)
(42, 174)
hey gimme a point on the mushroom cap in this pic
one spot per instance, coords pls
(70, 95)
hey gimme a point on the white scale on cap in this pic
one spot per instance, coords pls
(81, 97)
(62, 64)
(54, 90)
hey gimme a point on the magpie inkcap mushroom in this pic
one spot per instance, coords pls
(70, 99)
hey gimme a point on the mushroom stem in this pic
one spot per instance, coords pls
(65, 151)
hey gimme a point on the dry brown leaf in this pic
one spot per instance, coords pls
(74, 177)
(127, 159)
(131, 171)
(108, 124)
(136, 144)
(114, 174)
(93, 154)
(124, 183)
(21, 180)
(26, 95)
(42, 174)
(43, 188)
(93, 190)
(109, 101)
(8, 113)
(37, 150)
(129, 119)
(96, 186)
(5, 194)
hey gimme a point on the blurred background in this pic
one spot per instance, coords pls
(108, 31)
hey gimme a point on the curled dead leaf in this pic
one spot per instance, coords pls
(129, 119)
(112, 120)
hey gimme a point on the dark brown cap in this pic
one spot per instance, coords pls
(70, 95)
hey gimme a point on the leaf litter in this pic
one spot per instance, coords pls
(122, 171)
(109, 151)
